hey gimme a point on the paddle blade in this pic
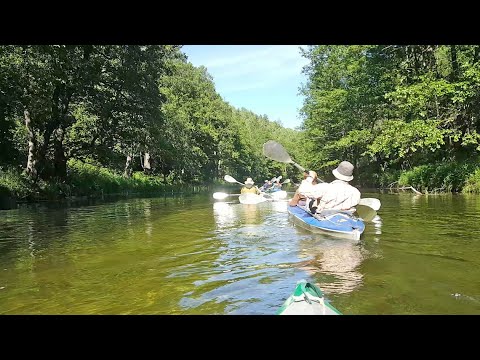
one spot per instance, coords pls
(220, 195)
(276, 151)
(373, 203)
(286, 181)
(229, 179)
(366, 213)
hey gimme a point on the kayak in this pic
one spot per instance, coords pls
(257, 199)
(307, 299)
(338, 224)
(251, 199)
(275, 195)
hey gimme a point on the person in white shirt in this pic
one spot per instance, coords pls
(338, 195)
(306, 186)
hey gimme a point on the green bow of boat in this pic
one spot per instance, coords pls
(307, 299)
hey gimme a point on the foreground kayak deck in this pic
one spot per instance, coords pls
(307, 299)
(336, 224)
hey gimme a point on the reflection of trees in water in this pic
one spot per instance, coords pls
(147, 211)
(333, 264)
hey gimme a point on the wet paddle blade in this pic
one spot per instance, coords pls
(276, 151)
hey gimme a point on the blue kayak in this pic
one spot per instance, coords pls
(338, 223)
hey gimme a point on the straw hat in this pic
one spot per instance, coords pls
(249, 181)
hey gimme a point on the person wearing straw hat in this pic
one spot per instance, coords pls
(249, 188)
(337, 195)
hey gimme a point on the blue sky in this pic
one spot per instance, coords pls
(262, 78)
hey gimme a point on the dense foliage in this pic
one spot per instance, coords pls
(83, 119)
(395, 109)
(121, 109)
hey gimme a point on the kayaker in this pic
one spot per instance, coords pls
(276, 185)
(309, 179)
(337, 195)
(249, 188)
(265, 185)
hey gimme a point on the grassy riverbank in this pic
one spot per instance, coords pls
(87, 180)
(438, 178)
(83, 180)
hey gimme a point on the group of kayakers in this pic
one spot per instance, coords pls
(315, 196)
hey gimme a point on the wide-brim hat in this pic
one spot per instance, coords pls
(249, 181)
(344, 171)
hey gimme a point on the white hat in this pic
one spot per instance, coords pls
(344, 171)
(249, 181)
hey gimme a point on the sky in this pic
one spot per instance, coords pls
(264, 79)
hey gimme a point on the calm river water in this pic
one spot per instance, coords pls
(192, 255)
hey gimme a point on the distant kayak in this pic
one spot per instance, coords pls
(339, 224)
(251, 199)
(275, 195)
(307, 299)
(257, 199)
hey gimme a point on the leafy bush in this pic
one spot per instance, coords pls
(472, 183)
(14, 183)
(447, 177)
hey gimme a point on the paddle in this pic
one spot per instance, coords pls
(276, 151)
(230, 179)
(366, 213)
(372, 203)
(222, 195)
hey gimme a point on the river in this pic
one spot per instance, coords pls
(192, 255)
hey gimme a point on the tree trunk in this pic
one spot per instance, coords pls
(31, 161)
(147, 166)
(455, 69)
(128, 170)
(41, 152)
(476, 55)
(60, 160)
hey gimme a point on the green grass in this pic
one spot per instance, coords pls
(83, 179)
(14, 183)
(472, 183)
(442, 177)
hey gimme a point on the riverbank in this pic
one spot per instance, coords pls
(84, 181)
(448, 177)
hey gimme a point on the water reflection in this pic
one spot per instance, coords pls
(232, 214)
(147, 211)
(279, 206)
(333, 264)
(377, 224)
(224, 215)
(229, 258)
(250, 214)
